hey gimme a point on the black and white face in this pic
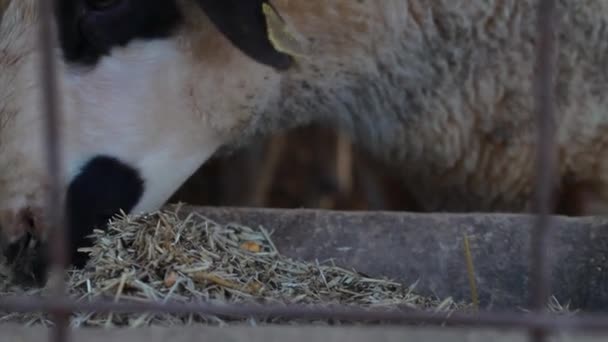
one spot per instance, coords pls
(149, 90)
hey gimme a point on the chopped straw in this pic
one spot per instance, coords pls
(163, 256)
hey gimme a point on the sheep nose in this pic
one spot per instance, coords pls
(17, 224)
(23, 231)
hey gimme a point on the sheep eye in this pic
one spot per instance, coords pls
(102, 4)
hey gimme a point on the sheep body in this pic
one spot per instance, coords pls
(443, 90)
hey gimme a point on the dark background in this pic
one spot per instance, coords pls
(307, 167)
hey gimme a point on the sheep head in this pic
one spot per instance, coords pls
(149, 90)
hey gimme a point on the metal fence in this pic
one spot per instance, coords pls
(539, 323)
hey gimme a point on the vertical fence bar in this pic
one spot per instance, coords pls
(52, 141)
(545, 64)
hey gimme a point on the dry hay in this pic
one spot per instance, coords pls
(160, 256)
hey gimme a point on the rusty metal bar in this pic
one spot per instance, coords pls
(52, 141)
(534, 320)
(539, 262)
(545, 154)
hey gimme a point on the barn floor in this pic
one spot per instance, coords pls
(11, 333)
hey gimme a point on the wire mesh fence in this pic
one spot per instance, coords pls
(538, 322)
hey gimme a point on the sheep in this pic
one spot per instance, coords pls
(440, 89)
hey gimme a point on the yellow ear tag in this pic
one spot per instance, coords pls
(279, 35)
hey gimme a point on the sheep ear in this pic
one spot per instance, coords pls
(244, 23)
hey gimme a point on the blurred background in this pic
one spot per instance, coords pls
(308, 167)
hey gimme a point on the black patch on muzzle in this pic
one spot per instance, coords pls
(104, 186)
